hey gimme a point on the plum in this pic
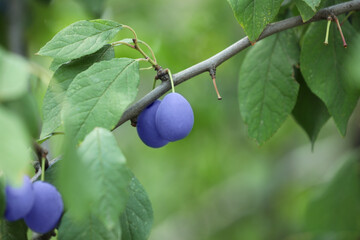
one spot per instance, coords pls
(146, 127)
(47, 209)
(19, 200)
(174, 117)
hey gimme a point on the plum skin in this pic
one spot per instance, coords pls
(146, 127)
(47, 208)
(174, 117)
(19, 200)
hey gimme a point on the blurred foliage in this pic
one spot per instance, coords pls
(216, 183)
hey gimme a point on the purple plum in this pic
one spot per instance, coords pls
(174, 117)
(47, 209)
(146, 127)
(19, 200)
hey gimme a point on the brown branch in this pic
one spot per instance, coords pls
(229, 52)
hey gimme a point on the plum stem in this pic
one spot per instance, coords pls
(327, 31)
(171, 80)
(154, 84)
(42, 169)
(341, 33)
(212, 72)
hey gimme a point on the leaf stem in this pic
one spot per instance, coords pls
(152, 62)
(39, 141)
(148, 68)
(131, 29)
(346, 17)
(137, 47)
(152, 52)
(142, 59)
(122, 43)
(171, 81)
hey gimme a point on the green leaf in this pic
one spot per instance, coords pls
(267, 89)
(98, 96)
(14, 76)
(13, 230)
(310, 112)
(313, 4)
(323, 69)
(55, 94)
(253, 16)
(106, 165)
(136, 220)
(337, 208)
(80, 39)
(307, 8)
(14, 147)
(56, 63)
(90, 228)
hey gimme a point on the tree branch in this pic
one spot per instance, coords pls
(229, 52)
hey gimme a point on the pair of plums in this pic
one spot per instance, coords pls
(38, 203)
(165, 121)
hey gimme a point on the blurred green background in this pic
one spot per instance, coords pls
(217, 183)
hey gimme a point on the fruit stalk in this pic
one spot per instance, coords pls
(341, 33)
(212, 72)
(42, 169)
(171, 81)
(326, 42)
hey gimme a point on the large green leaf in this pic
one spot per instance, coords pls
(136, 220)
(253, 16)
(75, 181)
(80, 39)
(267, 89)
(55, 94)
(323, 69)
(90, 228)
(26, 108)
(14, 76)
(337, 208)
(13, 230)
(106, 166)
(310, 112)
(98, 96)
(14, 147)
